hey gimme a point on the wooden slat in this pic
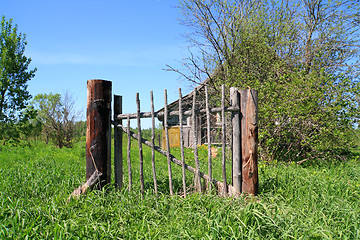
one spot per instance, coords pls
(223, 137)
(129, 153)
(195, 142)
(167, 143)
(236, 140)
(153, 143)
(118, 143)
(140, 146)
(208, 123)
(182, 142)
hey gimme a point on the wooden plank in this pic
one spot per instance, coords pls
(141, 160)
(223, 138)
(98, 131)
(118, 144)
(236, 140)
(167, 143)
(249, 132)
(208, 123)
(153, 143)
(129, 153)
(182, 143)
(195, 142)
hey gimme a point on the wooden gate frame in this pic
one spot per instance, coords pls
(244, 119)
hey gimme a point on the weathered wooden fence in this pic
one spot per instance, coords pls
(244, 129)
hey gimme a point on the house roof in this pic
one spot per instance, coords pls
(187, 99)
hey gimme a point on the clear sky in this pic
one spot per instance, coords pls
(128, 42)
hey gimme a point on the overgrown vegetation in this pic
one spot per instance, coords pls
(295, 202)
(59, 119)
(302, 56)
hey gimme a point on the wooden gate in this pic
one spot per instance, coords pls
(243, 129)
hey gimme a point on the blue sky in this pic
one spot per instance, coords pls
(126, 42)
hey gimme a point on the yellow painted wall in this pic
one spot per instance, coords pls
(174, 137)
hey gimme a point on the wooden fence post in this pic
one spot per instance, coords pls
(249, 132)
(167, 142)
(118, 143)
(236, 140)
(141, 158)
(223, 139)
(98, 131)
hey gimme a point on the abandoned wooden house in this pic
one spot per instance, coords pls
(200, 123)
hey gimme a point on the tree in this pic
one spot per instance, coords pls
(14, 75)
(302, 56)
(58, 117)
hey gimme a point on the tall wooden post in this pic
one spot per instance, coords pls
(98, 131)
(118, 143)
(236, 140)
(249, 133)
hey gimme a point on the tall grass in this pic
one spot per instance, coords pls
(295, 202)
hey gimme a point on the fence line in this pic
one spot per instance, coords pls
(243, 111)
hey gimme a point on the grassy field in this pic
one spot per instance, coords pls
(296, 202)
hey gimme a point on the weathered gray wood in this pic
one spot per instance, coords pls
(236, 140)
(249, 132)
(173, 113)
(167, 143)
(93, 179)
(219, 185)
(140, 146)
(196, 156)
(208, 136)
(118, 144)
(129, 153)
(153, 143)
(223, 138)
(98, 131)
(182, 142)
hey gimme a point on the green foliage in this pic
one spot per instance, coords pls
(80, 126)
(295, 202)
(14, 76)
(58, 118)
(147, 133)
(302, 56)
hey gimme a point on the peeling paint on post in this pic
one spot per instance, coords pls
(98, 131)
(249, 140)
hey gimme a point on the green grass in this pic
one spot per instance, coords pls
(295, 202)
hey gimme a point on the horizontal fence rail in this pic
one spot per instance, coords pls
(175, 113)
